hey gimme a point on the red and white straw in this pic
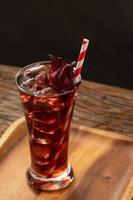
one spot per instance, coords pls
(81, 58)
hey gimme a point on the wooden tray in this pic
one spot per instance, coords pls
(102, 162)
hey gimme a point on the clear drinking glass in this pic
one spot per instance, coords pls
(48, 120)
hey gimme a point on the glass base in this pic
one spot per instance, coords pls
(50, 184)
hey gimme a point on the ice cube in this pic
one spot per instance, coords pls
(47, 121)
(43, 92)
(37, 115)
(46, 128)
(51, 92)
(51, 121)
(34, 88)
(31, 115)
(55, 104)
(27, 83)
(48, 131)
(41, 140)
(32, 71)
(39, 162)
(41, 150)
(25, 98)
(53, 101)
(41, 78)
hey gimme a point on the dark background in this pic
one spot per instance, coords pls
(30, 29)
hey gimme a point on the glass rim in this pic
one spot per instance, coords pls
(34, 95)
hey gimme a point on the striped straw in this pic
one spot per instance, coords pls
(81, 58)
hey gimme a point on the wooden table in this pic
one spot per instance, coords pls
(104, 157)
(101, 106)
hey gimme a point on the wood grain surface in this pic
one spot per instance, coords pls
(98, 105)
(102, 162)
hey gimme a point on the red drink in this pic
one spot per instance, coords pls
(48, 115)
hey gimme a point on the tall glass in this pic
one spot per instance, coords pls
(48, 120)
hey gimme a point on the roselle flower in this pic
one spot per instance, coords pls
(61, 74)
